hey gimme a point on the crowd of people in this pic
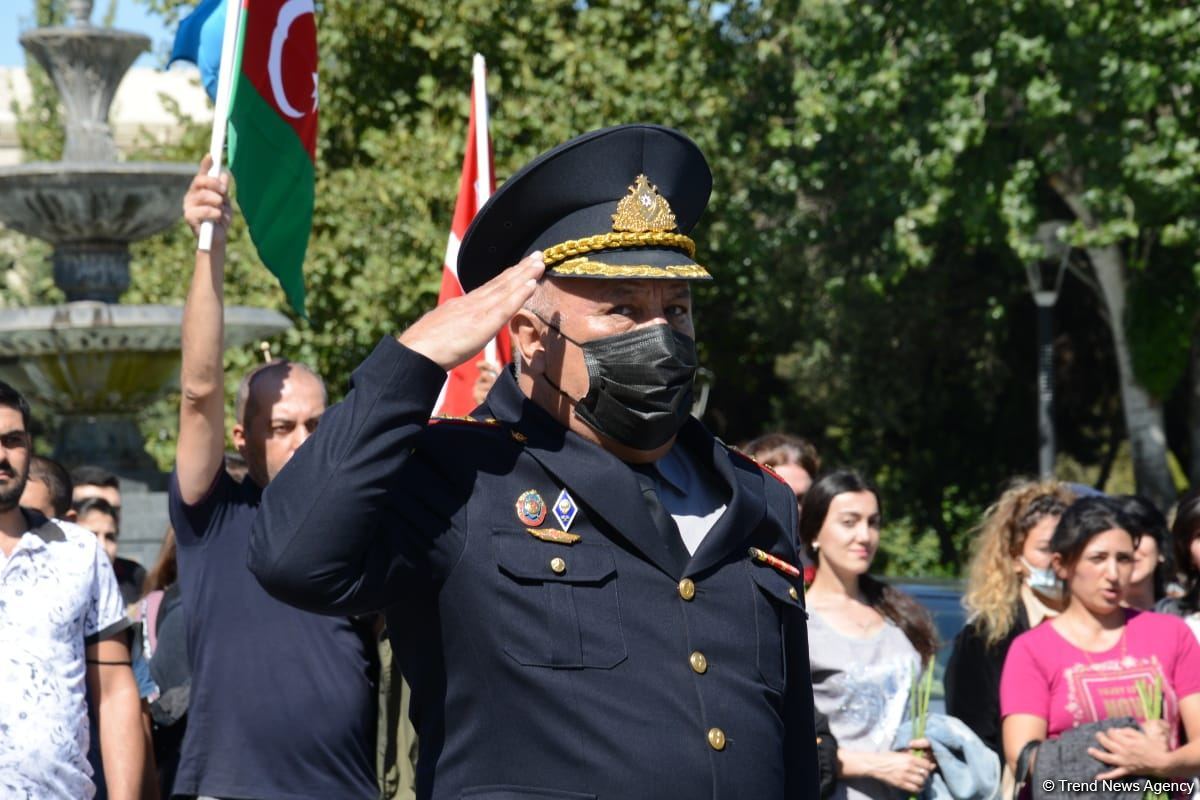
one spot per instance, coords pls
(364, 617)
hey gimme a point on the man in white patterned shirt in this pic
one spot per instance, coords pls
(62, 623)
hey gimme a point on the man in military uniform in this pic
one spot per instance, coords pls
(589, 594)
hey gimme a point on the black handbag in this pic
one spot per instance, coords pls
(1066, 759)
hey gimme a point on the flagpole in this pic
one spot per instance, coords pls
(216, 148)
(483, 189)
(483, 160)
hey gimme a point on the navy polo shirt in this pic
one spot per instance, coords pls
(282, 700)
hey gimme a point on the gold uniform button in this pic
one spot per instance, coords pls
(687, 589)
(699, 662)
(716, 738)
(792, 593)
(558, 566)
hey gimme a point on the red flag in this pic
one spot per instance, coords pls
(467, 383)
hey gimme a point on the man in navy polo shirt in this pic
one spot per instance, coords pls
(282, 701)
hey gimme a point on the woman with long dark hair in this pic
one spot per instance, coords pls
(866, 640)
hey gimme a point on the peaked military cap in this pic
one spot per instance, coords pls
(614, 203)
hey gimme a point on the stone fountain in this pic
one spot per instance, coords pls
(92, 361)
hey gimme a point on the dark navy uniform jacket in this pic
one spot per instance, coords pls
(616, 667)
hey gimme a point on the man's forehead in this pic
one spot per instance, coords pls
(289, 411)
(297, 403)
(597, 290)
(11, 421)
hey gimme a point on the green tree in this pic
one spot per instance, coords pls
(878, 169)
(937, 136)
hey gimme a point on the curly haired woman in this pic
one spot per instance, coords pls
(1010, 589)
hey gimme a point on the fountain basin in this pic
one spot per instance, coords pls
(92, 202)
(104, 359)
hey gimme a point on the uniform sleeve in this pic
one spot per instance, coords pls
(1185, 679)
(800, 741)
(1024, 688)
(354, 514)
(105, 616)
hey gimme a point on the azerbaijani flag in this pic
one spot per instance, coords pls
(268, 93)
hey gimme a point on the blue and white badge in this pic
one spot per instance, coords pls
(565, 510)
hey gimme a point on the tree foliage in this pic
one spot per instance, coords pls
(878, 170)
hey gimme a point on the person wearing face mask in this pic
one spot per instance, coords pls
(1084, 666)
(1010, 589)
(589, 594)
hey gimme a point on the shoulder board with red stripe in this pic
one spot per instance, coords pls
(758, 464)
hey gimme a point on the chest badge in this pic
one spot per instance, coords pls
(531, 508)
(554, 535)
(565, 510)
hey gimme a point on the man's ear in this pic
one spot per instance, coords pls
(239, 436)
(526, 332)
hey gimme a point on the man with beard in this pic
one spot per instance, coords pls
(282, 701)
(590, 595)
(62, 626)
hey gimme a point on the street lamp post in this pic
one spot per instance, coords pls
(1045, 277)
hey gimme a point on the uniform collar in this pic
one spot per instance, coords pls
(674, 470)
(604, 483)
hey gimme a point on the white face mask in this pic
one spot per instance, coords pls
(1043, 581)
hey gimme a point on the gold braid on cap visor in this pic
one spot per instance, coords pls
(583, 268)
(610, 241)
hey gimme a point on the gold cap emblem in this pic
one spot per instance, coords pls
(643, 209)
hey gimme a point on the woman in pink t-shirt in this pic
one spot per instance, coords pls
(1084, 665)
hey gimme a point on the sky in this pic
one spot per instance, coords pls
(17, 15)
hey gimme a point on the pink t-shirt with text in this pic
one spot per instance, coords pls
(1047, 676)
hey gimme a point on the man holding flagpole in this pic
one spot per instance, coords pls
(283, 702)
(589, 594)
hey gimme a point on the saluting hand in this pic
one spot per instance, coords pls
(460, 328)
(207, 200)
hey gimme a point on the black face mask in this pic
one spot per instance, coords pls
(639, 384)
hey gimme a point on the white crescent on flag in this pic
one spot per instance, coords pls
(289, 12)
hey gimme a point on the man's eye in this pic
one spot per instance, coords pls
(677, 311)
(624, 311)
